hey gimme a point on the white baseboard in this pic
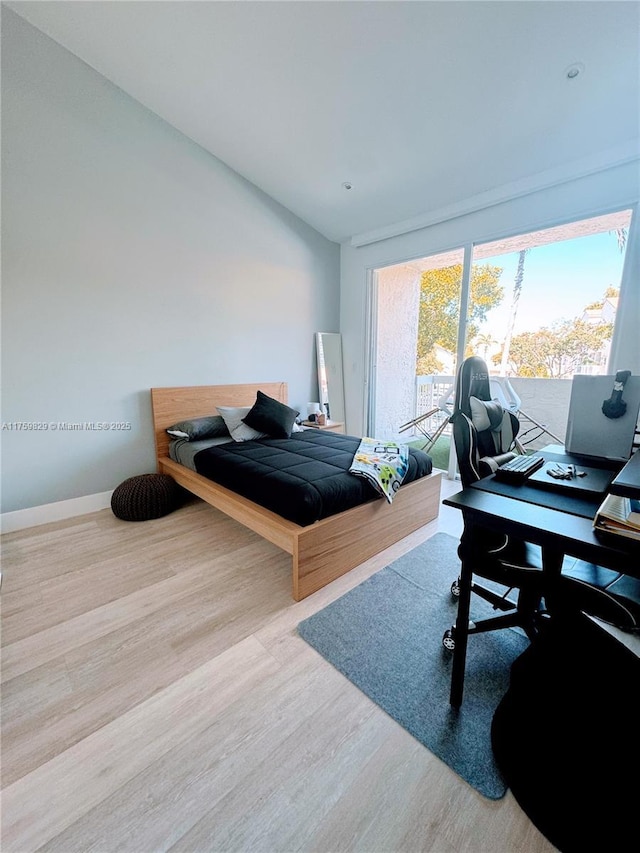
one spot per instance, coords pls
(32, 516)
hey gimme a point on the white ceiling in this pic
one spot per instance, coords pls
(419, 105)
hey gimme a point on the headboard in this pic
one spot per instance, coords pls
(170, 405)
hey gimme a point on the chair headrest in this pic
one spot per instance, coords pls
(472, 381)
(486, 414)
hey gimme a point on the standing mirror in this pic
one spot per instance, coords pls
(330, 376)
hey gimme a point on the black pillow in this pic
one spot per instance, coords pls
(271, 416)
(211, 426)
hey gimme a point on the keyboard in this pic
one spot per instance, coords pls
(517, 470)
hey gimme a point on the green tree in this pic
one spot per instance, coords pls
(530, 354)
(440, 308)
(557, 352)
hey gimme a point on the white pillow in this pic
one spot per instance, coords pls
(232, 416)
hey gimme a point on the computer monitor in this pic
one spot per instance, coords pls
(589, 431)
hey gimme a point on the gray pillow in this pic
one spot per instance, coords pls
(211, 426)
(486, 414)
(490, 415)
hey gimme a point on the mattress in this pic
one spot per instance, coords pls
(184, 452)
(303, 478)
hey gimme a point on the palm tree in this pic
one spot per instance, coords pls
(484, 341)
(621, 237)
(517, 290)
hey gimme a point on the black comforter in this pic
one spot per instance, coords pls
(303, 478)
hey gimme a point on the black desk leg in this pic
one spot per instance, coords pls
(552, 561)
(461, 633)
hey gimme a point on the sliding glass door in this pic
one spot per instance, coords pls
(538, 307)
(556, 315)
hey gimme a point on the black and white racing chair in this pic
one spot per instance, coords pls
(485, 437)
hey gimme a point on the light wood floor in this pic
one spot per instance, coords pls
(156, 696)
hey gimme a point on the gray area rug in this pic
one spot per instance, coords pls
(385, 636)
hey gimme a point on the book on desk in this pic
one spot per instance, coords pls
(619, 515)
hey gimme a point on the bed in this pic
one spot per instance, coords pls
(321, 551)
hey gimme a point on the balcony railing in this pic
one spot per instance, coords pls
(542, 413)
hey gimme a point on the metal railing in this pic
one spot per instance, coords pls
(434, 405)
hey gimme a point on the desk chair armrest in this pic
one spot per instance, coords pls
(490, 464)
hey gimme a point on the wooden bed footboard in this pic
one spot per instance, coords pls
(320, 552)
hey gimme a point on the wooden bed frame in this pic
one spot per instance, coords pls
(320, 552)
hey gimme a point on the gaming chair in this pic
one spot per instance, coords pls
(485, 434)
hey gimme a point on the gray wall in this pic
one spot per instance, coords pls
(131, 259)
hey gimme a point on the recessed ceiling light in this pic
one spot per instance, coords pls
(347, 185)
(574, 70)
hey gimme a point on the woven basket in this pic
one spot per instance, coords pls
(145, 497)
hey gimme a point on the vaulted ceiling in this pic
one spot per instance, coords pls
(418, 106)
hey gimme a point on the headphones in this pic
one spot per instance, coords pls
(615, 406)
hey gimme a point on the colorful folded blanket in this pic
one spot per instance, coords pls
(382, 463)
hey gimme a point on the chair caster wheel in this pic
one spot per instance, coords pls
(448, 640)
(455, 588)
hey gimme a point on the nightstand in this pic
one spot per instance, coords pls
(332, 426)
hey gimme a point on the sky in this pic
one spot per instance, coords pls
(560, 280)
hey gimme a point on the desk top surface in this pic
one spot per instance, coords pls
(552, 528)
(554, 494)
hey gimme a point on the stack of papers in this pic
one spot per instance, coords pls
(619, 515)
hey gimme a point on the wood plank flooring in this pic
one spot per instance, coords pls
(156, 696)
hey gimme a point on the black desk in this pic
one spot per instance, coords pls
(558, 534)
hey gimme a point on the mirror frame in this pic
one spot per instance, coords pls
(330, 374)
